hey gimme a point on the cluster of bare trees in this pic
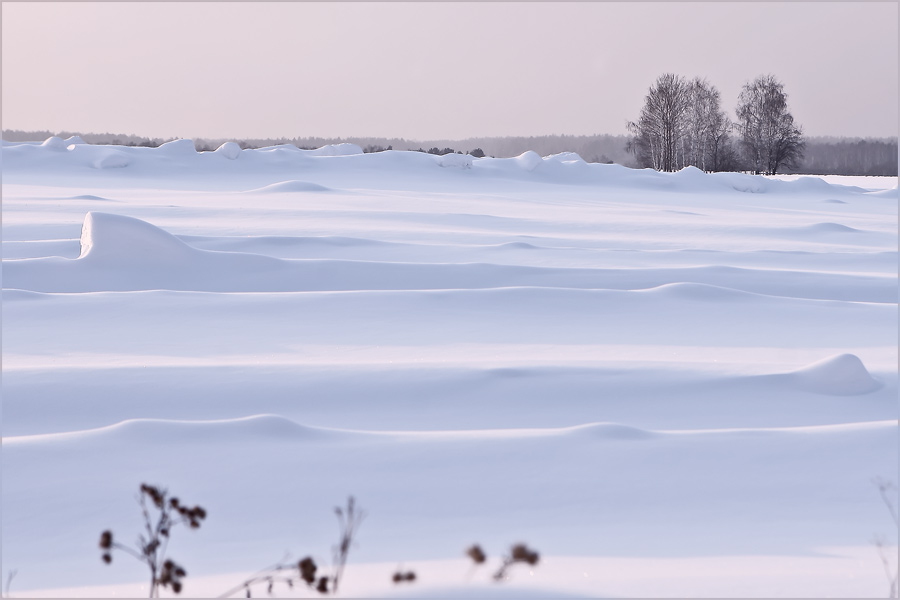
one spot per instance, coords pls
(682, 124)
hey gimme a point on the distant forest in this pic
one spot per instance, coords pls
(822, 155)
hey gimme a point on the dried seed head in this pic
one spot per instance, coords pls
(410, 576)
(176, 587)
(520, 552)
(322, 586)
(173, 502)
(106, 539)
(532, 558)
(476, 554)
(107, 557)
(397, 578)
(155, 494)
(307, 569)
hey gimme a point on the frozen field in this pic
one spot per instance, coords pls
(673, 385)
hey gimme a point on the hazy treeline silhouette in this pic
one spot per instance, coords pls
(823, 155)
(850, 157)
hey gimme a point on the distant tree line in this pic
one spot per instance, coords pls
(119, 139)
(849, 157)
(822, 155)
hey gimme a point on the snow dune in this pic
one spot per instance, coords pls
(284, 187)
(668, 384)
(123, 254)
(435, 492)
(843, 375)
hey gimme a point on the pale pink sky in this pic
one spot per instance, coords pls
(424, 70)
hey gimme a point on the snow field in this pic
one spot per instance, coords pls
(668, 384)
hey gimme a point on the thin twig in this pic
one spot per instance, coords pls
(260, 575)
(891, 570)
(9, 579)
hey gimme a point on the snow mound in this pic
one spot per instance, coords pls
(109, 158)
(113, 238)
(120, 253)
(54, 143)
(841, 375)
(566, 157)
(91, 197)
(690, 172)
(890, 193)
(529, 160)
(748, 184)
(255, 428)
(75, 139)
(289, 186)
(344, 149)
(514, 246)
(701, 291)
(229, 150)
(178, 148)
(612, 431)
(459, 161)
(831, 228)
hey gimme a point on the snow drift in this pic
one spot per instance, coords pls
(667, 383)
(841, 375)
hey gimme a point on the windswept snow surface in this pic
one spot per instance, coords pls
(668, 384)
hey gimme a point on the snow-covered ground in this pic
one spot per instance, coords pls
(673, 385)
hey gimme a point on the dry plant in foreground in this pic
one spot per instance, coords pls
(890, 566)
(519, 553)
(305, 571)
(152, 544)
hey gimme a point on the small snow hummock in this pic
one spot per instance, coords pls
(229, 150)
(54, 143)
(841, 375)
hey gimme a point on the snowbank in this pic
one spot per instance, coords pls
(178, 161)
(668, 384)
(841, 375)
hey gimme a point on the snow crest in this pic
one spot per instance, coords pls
(229, 150)
(118, 239)
(291, 186)
(840, 375)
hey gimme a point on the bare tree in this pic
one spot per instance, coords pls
(722, 153)
(707, 132)
(769, 137)
(657, 135)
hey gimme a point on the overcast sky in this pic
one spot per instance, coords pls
(424, 70)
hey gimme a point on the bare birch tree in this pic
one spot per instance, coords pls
(708, 127)
(657, 134)
(681, 124)
(769, 137)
